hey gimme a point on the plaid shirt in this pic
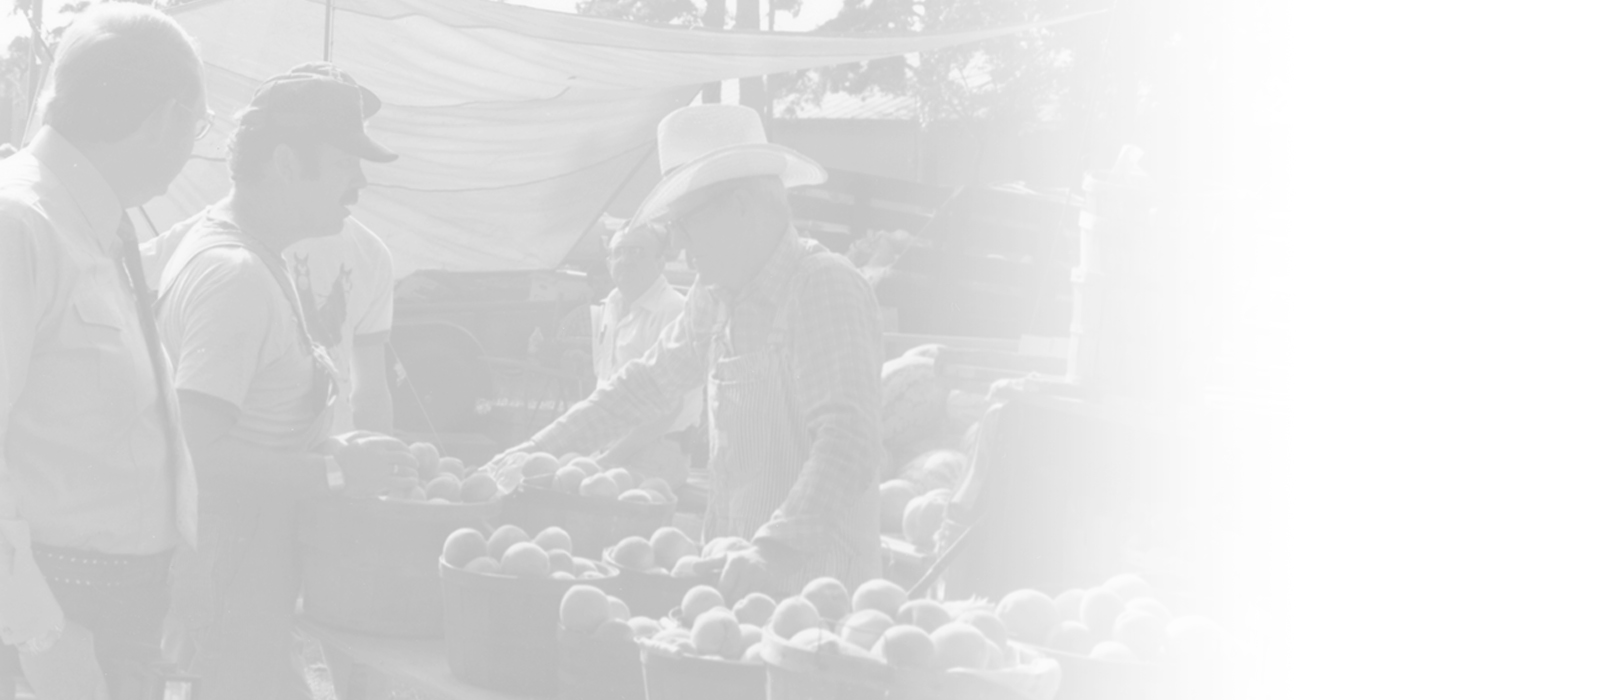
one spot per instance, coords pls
(834, 349)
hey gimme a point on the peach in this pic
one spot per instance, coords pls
(463, 546)
(502, 539)
(1070, 636)
(988, 623)
(484, 565)
(756, 609)
(554, 539)
(598, 486)
(569, 479)
(479, 488)
(525, 559)
(633, 553)
(864, 627)
(621, 477)
(583, 608)
(905, 646)
(1028, 615)
(1099, 611)
(924, 613)
(879, 594)
(697, 600)
(830, 597)
(446, 486)
(793, 615)
(960, 645)
(669, 544)
(1069, 603)
(893, 496)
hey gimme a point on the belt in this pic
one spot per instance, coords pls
(76, 567)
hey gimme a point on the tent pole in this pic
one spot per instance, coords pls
(327, 32)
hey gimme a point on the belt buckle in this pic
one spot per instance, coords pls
(174, 685)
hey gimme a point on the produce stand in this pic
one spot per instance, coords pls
(392, 668)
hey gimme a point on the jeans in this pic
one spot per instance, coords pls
(122, 603)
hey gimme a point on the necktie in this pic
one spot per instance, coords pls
(185, 489)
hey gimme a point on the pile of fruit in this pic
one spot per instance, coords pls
(705, 626)
(875, 622)
(660, 554)
(878, 622)
(912, 509)
(1119, 620)
(583, 476)
(509, 551)
(443, 480)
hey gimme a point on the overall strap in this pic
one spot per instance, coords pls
(234, 238)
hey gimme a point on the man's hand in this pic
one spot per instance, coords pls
(524, 448)
(67, 669)
(372, 463)
(768, 568)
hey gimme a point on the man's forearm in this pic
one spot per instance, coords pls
(371, 405)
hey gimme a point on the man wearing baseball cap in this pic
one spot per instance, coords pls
(784, 336)
(256, 389)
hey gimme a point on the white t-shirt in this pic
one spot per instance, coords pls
(346, 286)
(233, 335)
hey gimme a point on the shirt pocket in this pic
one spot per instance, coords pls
(118, 376)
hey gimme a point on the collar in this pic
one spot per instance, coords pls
(97, 202)
(651, 300)
(770, 280)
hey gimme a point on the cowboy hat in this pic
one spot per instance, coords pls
(702, 145)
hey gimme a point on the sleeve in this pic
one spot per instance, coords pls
(221, 310)
(643, 390)
(837, 362)
(377, 315)
(27, 608)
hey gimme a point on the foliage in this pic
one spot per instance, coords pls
(681, 13)
(1018, 80)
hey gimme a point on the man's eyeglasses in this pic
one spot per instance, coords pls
(675, 226)
(629, 251)
(202, 124)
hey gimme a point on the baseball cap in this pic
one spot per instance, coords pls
(320, 102)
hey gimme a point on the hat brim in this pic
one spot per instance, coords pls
(731, 163)
(367, 149)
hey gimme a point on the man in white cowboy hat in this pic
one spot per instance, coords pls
(786, 340)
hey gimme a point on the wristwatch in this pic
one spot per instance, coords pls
(335, 474)
(43, 642)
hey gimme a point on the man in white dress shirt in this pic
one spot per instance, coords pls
(625, 325)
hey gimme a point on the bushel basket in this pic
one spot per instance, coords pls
(500, 632)
(371, 566)
(672, 676)
(599, 669)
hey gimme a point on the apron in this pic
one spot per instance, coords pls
(759, 446)
(234, 598)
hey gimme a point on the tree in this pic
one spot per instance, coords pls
(1018, 80)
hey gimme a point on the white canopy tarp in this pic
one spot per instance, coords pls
(516, 126)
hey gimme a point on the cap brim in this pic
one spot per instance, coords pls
(367, 149)
(730, 163)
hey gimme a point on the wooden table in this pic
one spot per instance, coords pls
(392, 668)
